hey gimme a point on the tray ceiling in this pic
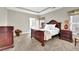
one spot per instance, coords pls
(35, 10)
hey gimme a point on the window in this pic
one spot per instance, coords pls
(74, 24)
(42, 23)
(34, 23)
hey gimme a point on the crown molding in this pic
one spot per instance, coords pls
(47, 10)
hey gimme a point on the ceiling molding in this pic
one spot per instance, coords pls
(44, 11)
(32, 10)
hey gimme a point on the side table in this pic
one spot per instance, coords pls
(76, 39)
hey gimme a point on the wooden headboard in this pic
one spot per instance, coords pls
(58, 24)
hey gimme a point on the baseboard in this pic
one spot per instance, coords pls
(23, 33)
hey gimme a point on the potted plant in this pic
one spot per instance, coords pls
(17, 32)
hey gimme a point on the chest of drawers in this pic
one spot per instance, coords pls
(6, 37)
(66, 35)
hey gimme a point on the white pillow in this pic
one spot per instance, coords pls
(50, 26)
(53, 25)
(46, 26)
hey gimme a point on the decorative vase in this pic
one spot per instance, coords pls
(65, 26)
(17, 32)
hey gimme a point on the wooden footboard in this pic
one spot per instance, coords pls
(38, 35)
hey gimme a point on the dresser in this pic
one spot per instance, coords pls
(66, 35)
(6, 37)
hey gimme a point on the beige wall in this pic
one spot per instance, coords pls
(3, 16)
(19, 20)
(59, 15)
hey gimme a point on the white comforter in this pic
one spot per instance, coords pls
(49, 33)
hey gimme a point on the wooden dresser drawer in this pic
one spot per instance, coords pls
(65, 32)
(66, 35)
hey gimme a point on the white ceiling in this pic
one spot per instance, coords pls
(34, 10)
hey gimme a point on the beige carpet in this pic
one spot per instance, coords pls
(25, 43)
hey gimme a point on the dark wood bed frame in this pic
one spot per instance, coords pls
(39, 35)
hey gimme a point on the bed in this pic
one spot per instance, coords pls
(40, 34)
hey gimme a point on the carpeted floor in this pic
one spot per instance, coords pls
(25, 43)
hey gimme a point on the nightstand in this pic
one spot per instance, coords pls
(66, 35)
